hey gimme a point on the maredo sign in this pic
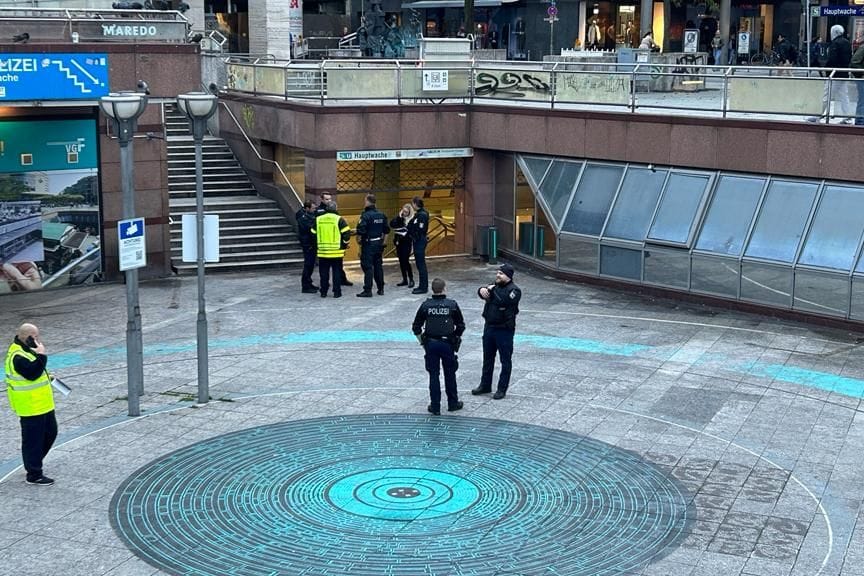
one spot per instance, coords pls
(136, 31)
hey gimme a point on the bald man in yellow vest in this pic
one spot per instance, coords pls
(28, 386)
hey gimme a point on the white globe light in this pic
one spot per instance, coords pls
(197, 104)
(123, 106)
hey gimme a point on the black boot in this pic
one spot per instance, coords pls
(404, 282)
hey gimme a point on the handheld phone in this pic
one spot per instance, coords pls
(31, 342)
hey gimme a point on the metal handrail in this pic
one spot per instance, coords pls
(722, 76)
(258, 154)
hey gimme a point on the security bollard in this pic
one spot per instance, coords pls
(540, 242)
(493, 245)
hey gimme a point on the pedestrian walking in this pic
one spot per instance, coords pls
(372, 229)
(858, 63)
(439, 325)
(402, 241)
(418, 229)
(499, 312)
(839, 56)
(28, 386)
(331, 233)
(305, 218)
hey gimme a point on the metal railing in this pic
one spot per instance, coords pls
(689, 88)
(259, 156)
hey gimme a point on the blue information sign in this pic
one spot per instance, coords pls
(841, 10)
(53, 76)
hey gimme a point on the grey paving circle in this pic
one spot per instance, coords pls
(399, 494)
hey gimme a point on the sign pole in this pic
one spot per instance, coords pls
(134, 343)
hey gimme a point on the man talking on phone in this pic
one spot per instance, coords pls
(28, 386)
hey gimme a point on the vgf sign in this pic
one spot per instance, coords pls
(53, 77)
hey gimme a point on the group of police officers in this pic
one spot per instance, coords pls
(438, 323)
(324, 235)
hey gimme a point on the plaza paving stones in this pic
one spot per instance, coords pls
(750, 425)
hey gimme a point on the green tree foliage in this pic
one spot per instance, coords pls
(86, 189)
(13, 187)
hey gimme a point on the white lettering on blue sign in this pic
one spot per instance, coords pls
(129, 31)
(18, 65)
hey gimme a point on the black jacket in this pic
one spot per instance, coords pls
(372, 226)
(502, 306)
(305, 223)
(26, 368)
(839, 55)
(418, 227)
(400, 231)
(442, 318)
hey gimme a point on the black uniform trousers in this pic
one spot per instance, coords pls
(403, 251)
(440, 354)
(420, 262)
(325, 265)
(372, 263)
(37, 437)
(308, 266)
(497, 340)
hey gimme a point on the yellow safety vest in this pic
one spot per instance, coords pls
(27, 397)
(328, 235)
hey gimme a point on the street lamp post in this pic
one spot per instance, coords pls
(198, 108)
(124, 108)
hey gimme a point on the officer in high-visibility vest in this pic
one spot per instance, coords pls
(28, 386)
(332, 234)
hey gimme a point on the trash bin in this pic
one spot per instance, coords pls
(481, 241)
(526, 238)
(540, 244)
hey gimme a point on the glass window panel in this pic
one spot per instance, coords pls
(781, 220)
(714, 275)
(558, 185)
(577, 254)
(821, 293)
(729, 215)
(593, 198)
(635, 204)
(766, 284)
(835, 232)
(667, 267)
(621, 262)
(678, 208)
(857, 311)
(536, 167)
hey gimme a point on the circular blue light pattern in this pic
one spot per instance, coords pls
(401, 495)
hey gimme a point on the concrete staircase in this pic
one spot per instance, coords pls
(253, 231)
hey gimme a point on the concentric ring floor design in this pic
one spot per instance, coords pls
(399, 495)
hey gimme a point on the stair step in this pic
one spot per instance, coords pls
(264, 237)
(191, 267)
(232, 247)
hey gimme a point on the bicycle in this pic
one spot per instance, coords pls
(767, 58)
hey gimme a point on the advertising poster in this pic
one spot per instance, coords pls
(49, 204)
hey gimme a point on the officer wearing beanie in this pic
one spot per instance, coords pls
(444, 325)
(502, 306)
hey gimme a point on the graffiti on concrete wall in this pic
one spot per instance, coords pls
(510, 85)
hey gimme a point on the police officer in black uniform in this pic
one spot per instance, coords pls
(441, 339)
(305, 222)
(325, 199)
(500, 310)
(371, 230)
(418, 229)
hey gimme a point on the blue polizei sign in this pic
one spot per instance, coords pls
(53, 76)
